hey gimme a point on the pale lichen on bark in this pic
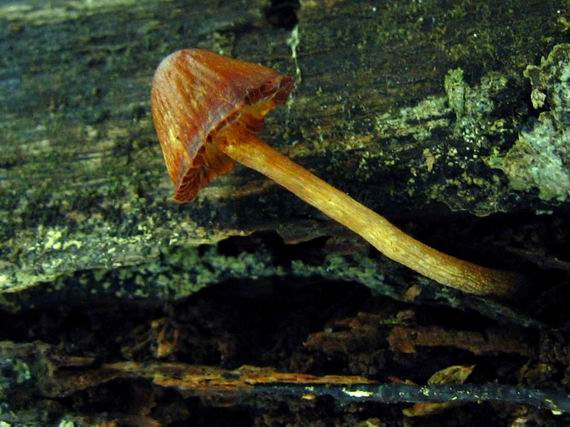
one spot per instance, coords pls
(540, 158)
(83, 182)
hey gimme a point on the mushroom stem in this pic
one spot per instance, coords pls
(247, 149)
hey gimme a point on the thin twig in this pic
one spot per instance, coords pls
(556, 401)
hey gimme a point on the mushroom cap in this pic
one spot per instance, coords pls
(196, 93)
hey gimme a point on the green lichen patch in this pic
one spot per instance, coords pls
(540, 158)
(475, 129)
(183, 270)
(82, 178)
(83, 182)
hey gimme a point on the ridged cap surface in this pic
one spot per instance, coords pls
(194, 94)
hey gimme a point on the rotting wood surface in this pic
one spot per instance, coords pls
(404, 106)
(435, 115)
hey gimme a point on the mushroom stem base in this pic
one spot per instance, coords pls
(246, 148)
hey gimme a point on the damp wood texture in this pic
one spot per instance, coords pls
(448, 118)
(426, 114)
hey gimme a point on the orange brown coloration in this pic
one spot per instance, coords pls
(195, 93)
(206, 110)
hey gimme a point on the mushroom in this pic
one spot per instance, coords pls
(207, 109)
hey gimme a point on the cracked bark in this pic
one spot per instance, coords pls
(427, 114)
(399, 106)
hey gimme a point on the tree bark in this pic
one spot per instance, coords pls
(450, 118)
(405, 107)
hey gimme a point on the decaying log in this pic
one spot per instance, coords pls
(403, 106)
(449, 118)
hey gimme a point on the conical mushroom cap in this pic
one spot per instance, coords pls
(195, 93)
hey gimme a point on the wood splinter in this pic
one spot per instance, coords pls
(207, 109)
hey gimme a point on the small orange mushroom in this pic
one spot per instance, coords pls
(207, 109)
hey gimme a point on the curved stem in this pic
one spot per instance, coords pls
(447, 270)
